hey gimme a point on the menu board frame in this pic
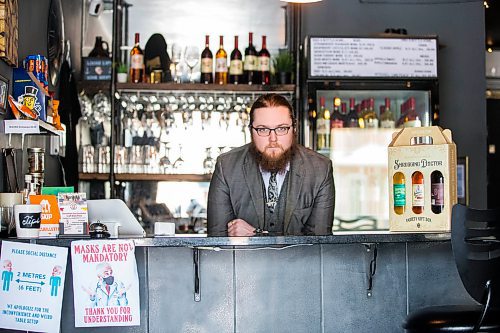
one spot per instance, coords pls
(392, 68)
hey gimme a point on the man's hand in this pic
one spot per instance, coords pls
(239, 227)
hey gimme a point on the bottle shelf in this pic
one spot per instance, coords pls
(147, 177)
(16, 126)
(240, 88)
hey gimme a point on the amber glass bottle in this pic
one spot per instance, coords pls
(136, 62)
(221, 64)
(417, 180)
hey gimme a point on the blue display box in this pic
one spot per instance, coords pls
(28, 91)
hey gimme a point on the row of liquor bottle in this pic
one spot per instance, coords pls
(361, 115)
(254, 68)
(418, 192)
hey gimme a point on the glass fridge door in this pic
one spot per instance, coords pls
(358, 148)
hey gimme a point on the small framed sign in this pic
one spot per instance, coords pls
(97, 69)
(4, 90)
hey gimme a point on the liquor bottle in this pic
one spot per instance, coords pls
(264, 66)
(417, 180)
(250, 64)
(370, 116)
(387, 117)
(352, 116)
(399, 188)
(437, 192)
(337, 120)
(136, 62)
(323, 126)
(221, 64)
(207, 63)
(236, 64)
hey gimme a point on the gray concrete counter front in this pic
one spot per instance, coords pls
(342, 283)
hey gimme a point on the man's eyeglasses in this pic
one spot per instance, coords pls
(264, 131)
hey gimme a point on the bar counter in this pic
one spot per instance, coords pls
(194, 240)
(347, 282)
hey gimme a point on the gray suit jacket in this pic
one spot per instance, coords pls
(236, 192)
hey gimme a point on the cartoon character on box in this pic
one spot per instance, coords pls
(29, 99)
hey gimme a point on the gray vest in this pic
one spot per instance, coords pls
(274, 222)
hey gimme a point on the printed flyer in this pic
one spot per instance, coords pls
(105, 283)
(32, 286)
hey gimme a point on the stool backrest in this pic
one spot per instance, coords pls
(475, 237)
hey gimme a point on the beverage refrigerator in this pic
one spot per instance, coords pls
(358, 92)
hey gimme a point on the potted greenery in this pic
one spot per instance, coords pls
(121, 73)
(283, 67)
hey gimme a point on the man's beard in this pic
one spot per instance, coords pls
(276, 163)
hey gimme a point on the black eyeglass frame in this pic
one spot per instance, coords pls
(259, 130)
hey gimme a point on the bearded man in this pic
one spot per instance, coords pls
(272, 185)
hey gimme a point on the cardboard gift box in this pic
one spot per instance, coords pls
(422, 180)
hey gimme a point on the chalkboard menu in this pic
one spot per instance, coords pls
(376, 57)
(96, 69)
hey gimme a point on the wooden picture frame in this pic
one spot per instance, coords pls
(4, 91)
(9, 31)
(463, 180)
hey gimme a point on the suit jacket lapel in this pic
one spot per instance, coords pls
(296, 177)
(253, 176)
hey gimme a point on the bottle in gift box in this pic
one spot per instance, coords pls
(437, 192)
(399, 188)
(417, 180)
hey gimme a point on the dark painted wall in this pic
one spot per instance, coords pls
(460, 27)
(32, 39)
(462, 84)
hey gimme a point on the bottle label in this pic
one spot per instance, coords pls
(207, 65)
(418, 195)
(399, 195)
(371, 123)
(264, 64)
(323, 126)
(221, 65)
(250, 63)
(236, 67)
(387, 124)
(137, 61)
(437, 194)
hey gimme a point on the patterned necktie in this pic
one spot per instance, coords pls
(272, 192)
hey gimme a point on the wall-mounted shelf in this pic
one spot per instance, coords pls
(16, 126)
(190, 87)
(147, 177)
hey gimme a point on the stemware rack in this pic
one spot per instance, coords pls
(187, 106)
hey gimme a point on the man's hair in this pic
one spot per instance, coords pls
(271, 100)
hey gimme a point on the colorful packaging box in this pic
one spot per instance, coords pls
(50, 214)
(28, 91)
(422, 180)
